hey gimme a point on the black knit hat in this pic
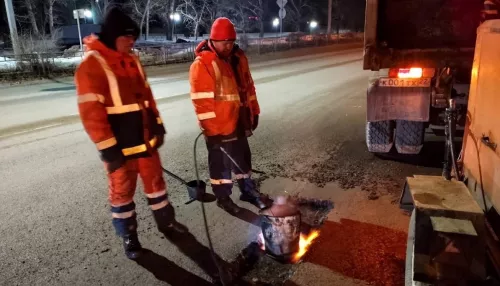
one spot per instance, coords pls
(116, 24)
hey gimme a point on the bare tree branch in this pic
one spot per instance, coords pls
(31, 16)
(165, 16)
(193, 13)
(100, 8)
(54, 13)
(257, 8)
(296, 12)
(142, 11)
(239, 14)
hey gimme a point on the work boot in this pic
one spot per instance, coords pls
(228, 205)
(250, 194)
(260, 201)
(165, 220)
(132, 246)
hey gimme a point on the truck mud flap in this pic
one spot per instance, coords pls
(398, 103)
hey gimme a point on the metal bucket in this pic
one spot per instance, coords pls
(196, 189)
(281, 230)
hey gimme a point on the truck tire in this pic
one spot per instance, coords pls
(409, 136)
(379, 136)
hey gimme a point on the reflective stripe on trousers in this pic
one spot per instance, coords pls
(122, 185)
(220, 166)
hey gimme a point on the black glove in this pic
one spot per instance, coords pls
(113, 157)
(255, 122)
(115, 164)
(160, 140)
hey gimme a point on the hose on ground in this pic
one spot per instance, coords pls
(205, 222)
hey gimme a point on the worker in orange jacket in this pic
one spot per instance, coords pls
(119, 113)
(225, 102)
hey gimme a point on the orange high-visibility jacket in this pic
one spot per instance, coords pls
(217, 94)
(116, 104)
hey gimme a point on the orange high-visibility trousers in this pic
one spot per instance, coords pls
(122, 185)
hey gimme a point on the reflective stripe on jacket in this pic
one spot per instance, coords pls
(116, 104)
(215, 92)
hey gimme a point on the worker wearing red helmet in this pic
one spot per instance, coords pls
(225, 102)
(119, 113)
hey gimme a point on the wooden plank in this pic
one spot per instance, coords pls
(451, 225)
(436, 193)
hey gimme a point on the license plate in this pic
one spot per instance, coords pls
(405, 82)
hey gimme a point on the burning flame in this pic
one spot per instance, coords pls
(304, 244)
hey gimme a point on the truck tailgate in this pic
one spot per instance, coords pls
(428, 24)
(434, 33)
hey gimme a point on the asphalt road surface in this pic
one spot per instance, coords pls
(55, 223)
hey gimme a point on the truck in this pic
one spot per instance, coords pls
(421, 55)
(454, 230)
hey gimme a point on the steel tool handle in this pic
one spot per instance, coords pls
(174, 176)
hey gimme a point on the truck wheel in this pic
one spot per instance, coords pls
(380, 136)
(409, 136)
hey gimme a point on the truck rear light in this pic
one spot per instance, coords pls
(410, 73)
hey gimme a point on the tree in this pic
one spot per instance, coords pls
(99, 9)
(348, 14)
(214, 10)
(170, 9)
(296, 12)
(52, 13)
(239, 15)
(330, 7)
(193, 13)
(257, 8)
(232, 9)
(31, 16)
(142, 10)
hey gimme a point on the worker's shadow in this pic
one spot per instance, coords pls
(167, 271)
(197, 252)
(200, 254)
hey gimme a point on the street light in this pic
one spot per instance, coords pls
(313, 25)
(87, 14)
(276, 23)
(175, 17)
(79, 14)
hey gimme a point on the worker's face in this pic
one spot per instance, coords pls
(124, 44)
(223, 48)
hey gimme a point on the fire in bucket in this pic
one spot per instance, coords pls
(281, 236)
